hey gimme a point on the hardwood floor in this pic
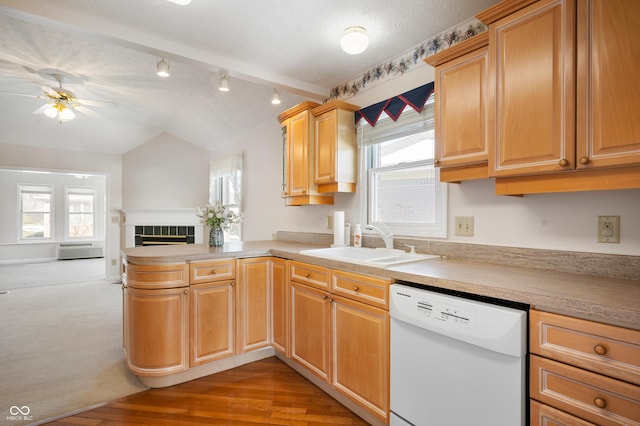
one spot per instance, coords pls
(266, 392)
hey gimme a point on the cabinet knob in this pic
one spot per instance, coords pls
(307, 275)
(325, 297)
(233, 283)
(564, 162)
(584, 160)
(285, 193)
(304, 191)
(331, 300)
(186, 292)
(436, 161)
(213, 272)
(600, 349)
(356, 288)
(123, 287)
(600, 402)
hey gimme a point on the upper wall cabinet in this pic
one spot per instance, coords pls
(298, 140)
(335, 149)
(563, 100)
(461, 78)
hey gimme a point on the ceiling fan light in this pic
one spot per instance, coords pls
(162, 68)
(51, 112)
(66, 114)
(224, 83)
(275, 98)
(354, 40)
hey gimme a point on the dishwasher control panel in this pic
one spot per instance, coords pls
(444, 312)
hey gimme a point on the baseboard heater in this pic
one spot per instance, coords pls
(68, 251)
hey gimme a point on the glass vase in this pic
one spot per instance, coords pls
(216, 237)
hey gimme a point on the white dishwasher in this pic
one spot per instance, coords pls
(456, 361)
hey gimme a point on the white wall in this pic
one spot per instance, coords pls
(37, 158)
(165, 172)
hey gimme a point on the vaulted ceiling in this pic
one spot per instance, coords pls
(108, 49)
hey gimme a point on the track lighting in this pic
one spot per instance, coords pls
(354, 40)
(224, 82)
(275, 98)
(163, 68)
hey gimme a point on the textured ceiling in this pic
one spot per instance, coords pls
(107, 50)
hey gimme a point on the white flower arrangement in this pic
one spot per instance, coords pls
(218, 215)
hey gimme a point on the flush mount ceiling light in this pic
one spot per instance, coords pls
(275, 98)
(354, 40)
(163, 68)
(181, 2)
(224, 82)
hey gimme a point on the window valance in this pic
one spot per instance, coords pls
(393, 107)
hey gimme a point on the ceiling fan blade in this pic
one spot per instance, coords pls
(96, 102)
(51, 92)
(86, 111)
(21, 94)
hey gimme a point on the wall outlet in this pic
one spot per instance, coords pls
(330, 222)
(464, 226)
(113, 262)
(609, 229)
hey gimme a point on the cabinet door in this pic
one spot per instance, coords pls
(361, 354)
(325, 153)
(158, 337)
(460, 111)
(212, 321)
(253, 303)
(608, 95)
(280, 305)
(311, 329)
(532, 90)
(298, 140)
(543, 415)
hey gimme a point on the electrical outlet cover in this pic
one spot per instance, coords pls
(609, 229)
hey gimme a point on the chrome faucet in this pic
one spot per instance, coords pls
(387, 236)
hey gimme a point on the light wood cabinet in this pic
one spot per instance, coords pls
(608, 94)
(461, 114)
(212, 322)
(311, 329)
(280, 305)
(298, 186)
(213, 308)
(585, 370)
(340, 332)
(360, 353)
(532, 90)
(253, 304)
(335, 166)
(563, 109)
(158, 335)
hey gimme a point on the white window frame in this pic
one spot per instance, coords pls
(67, 225)
(226, 186)
(34, 188)
(410, 122)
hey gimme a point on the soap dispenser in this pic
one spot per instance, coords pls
(357, 236)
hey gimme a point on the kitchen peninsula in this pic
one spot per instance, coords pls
(250, 291)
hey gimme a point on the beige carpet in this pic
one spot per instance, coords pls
(61, 349)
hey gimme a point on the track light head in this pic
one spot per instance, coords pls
(163, 68)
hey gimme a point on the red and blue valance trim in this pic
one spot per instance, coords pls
(393, 107)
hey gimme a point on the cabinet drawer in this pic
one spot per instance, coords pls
(212, 270)
(370, 290)
(315, 276)
(155, 276)
(590, 396)
(606, 349)
(543, 415)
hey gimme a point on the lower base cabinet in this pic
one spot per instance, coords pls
(158, 332)
(280, 305)
(342, 340)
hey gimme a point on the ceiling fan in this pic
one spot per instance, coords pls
(61, 103)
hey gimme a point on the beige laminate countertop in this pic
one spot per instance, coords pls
(609, 300)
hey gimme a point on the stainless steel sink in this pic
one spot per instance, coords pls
(368, 256)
